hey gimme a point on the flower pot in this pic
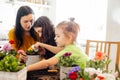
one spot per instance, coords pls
(63, 71)
(32, 59)
(20, 75)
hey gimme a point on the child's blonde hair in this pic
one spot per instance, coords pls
(69, 27)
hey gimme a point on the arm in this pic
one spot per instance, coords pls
(54, 49)
(42, 64)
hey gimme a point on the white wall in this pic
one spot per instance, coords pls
(8, 14)
(113, 24)
(52, 12)
(113, 20)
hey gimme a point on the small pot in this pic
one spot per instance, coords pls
(32, 59)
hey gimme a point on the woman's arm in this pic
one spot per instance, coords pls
(43, 64)
(54, 49)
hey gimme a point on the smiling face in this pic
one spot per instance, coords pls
(38, 30)
(27, 21)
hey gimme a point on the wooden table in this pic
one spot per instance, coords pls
(43, 75)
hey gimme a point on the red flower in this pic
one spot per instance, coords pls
(99, 55)
(11, 42)
(101, 77)
(73, 75)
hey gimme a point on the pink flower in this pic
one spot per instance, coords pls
(116, 74)
(7, 47)
(93, 71)
(67, 54)
(21, 51)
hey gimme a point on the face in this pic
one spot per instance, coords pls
(27, 21)
(38, 30)
(60, 38)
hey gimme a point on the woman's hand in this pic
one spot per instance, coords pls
(22, 56)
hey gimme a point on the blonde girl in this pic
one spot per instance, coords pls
(65, 36)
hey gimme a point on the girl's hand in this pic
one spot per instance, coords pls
(36, 45)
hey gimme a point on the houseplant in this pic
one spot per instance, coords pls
(95, 70)
(33, 55)
(66, 63)
(100, 61)
(10, 65)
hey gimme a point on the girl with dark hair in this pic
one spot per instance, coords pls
(23, 34)
(45, 29)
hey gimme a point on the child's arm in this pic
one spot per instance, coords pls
(43, 64)
(54, 49)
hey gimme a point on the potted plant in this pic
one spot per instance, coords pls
(10, 65)
(66, 63)
(33, 55)
(95, 70)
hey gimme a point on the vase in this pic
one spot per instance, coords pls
(20, 75)
(32, 59)
(63, 71)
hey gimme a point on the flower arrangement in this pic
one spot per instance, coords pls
(67, 61)
(31, 51)
(9, 59)
(99, 61)
(95, 70)
(76, 73)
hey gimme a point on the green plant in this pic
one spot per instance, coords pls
(76, 73)
(9, 59)
(67, 60)
(95, 70)
(31, 51)
(2, 55)
(10, 64)
(99, 61)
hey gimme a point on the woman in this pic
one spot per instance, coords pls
(23, 34)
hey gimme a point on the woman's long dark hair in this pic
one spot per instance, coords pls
(48, 33)
(22, 11)
(47, 28)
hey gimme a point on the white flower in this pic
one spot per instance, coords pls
(93, 71)
(109, 76)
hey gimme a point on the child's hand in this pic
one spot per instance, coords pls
(36, 45)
